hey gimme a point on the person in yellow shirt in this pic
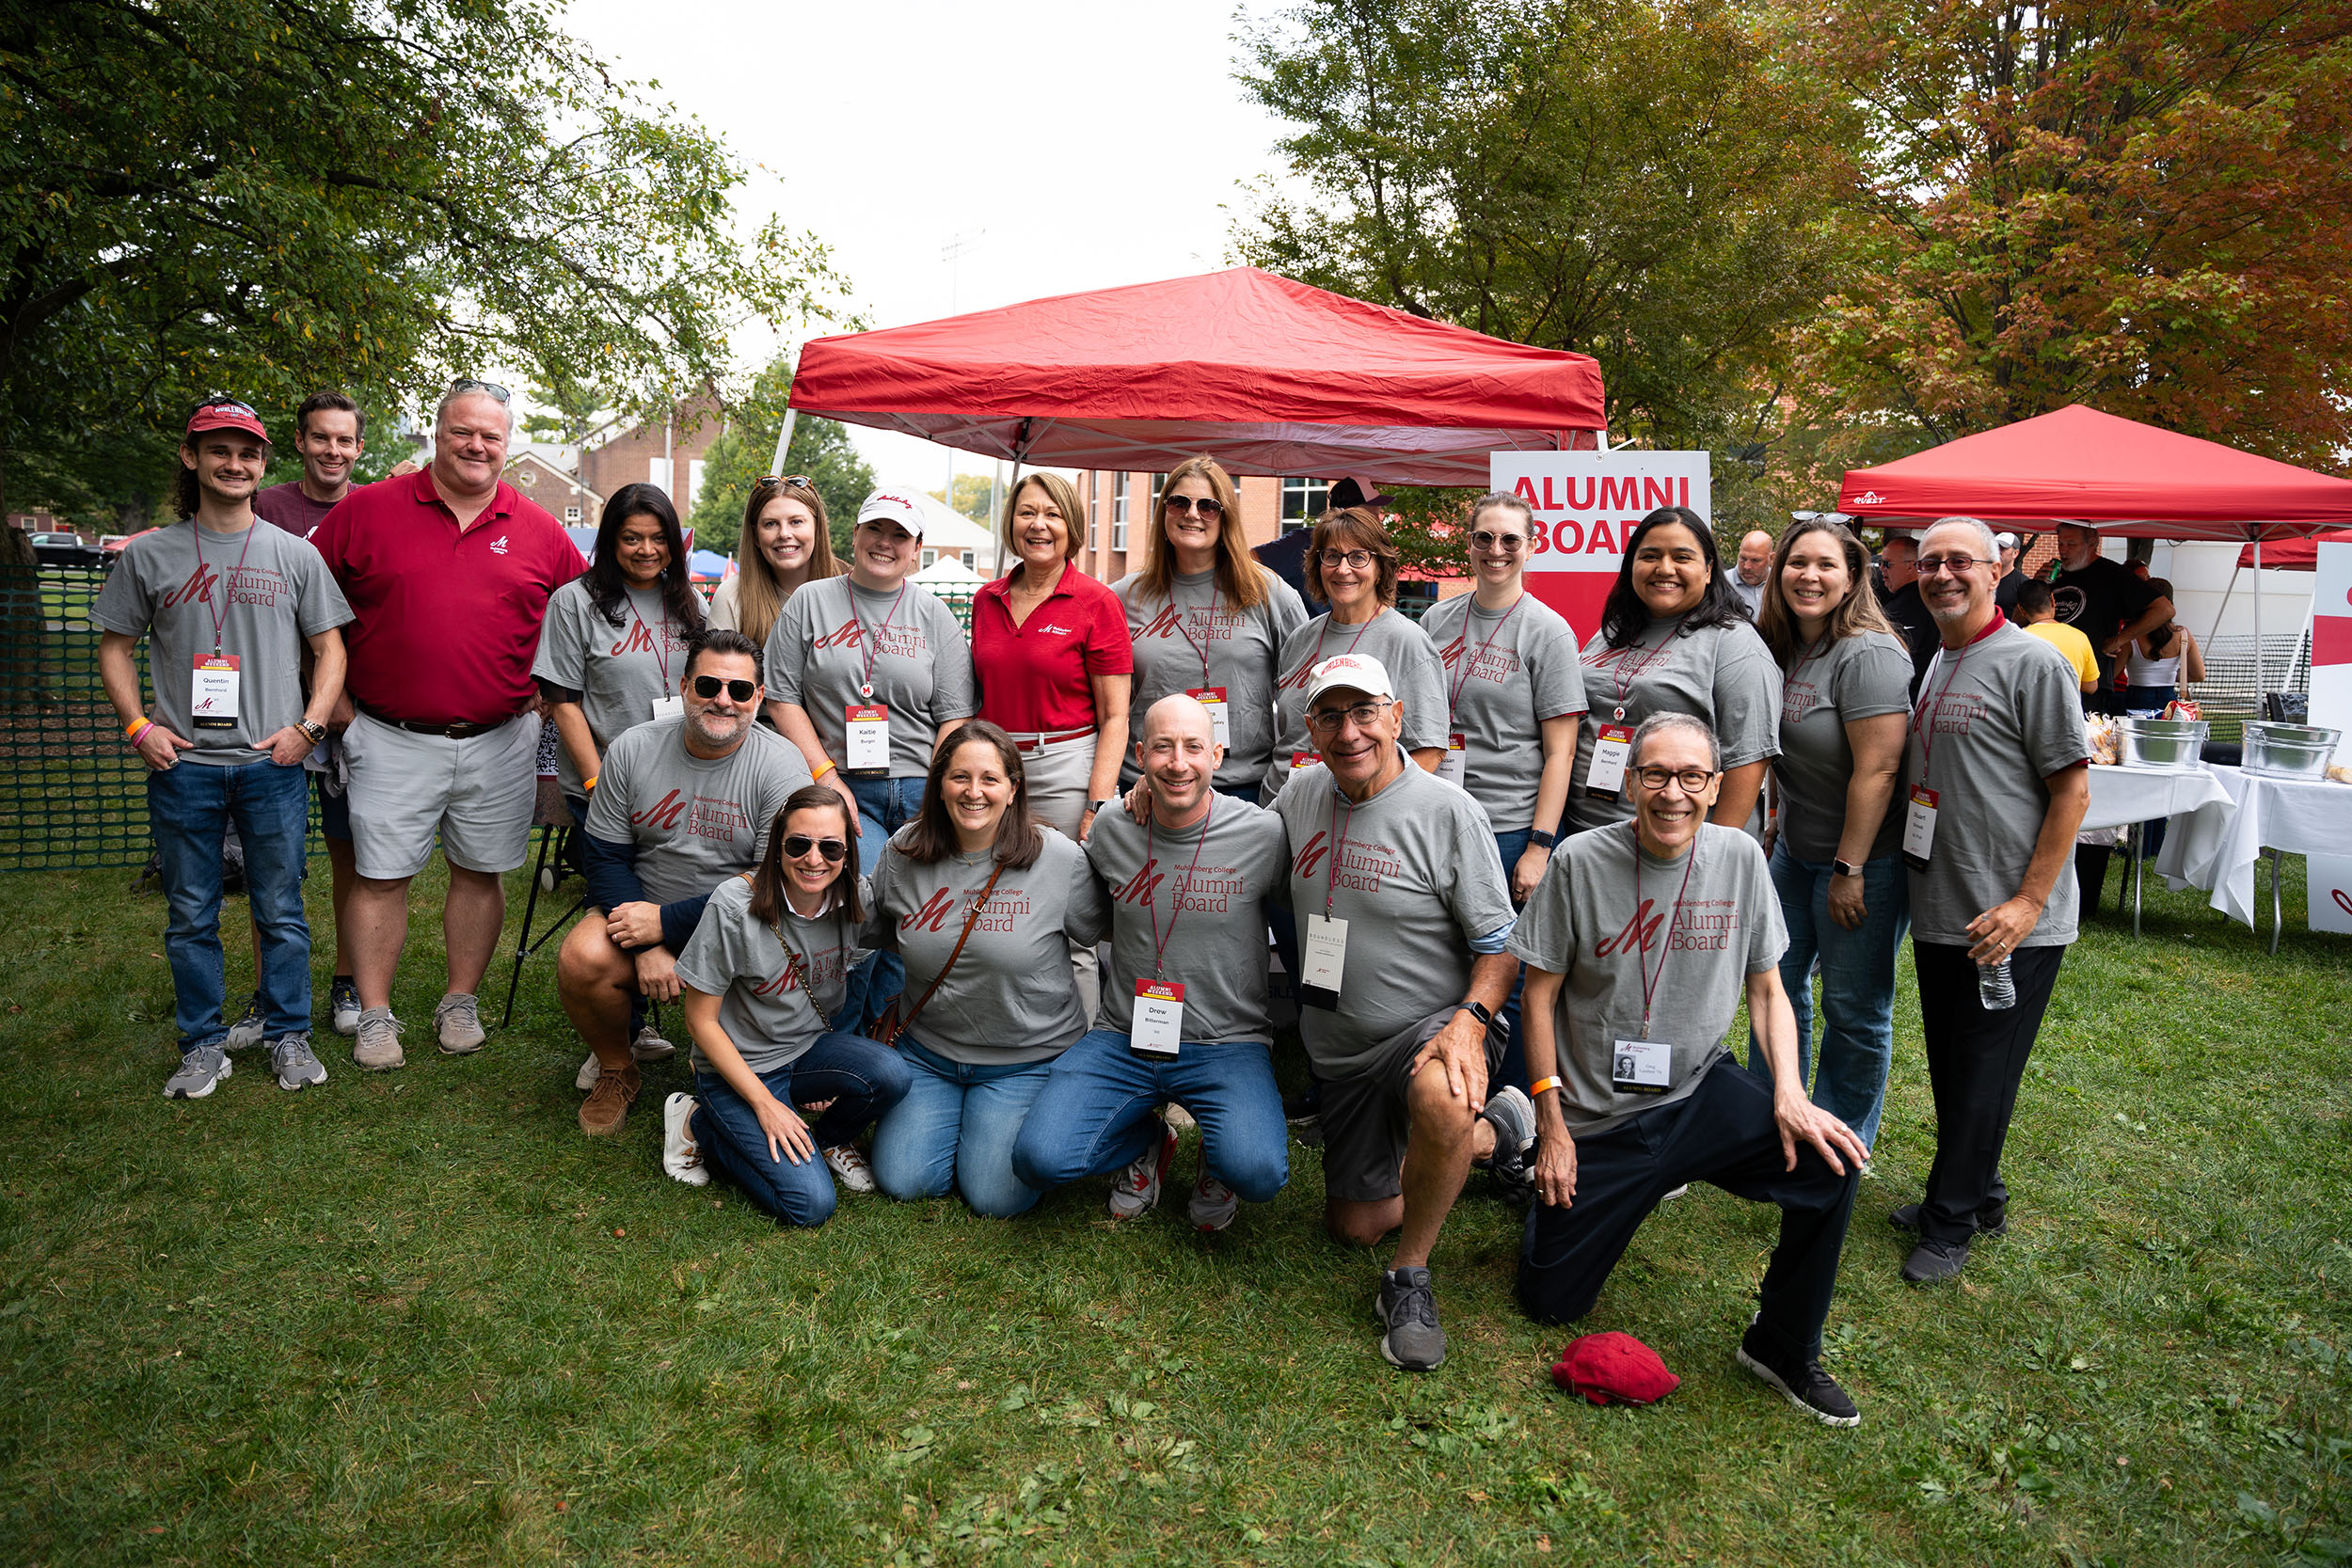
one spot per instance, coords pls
(2038, 615)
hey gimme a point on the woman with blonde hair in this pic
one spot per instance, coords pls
(787, 542)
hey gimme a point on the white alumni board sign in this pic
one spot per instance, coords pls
(2329, 893)
(1586, 504)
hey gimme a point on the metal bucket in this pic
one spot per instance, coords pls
(2169, 745)
(2289, 750)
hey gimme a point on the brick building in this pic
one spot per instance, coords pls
(1118, 515)
(669, 456)
(549, 475)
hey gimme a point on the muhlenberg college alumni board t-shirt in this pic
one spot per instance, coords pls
(1413, 871)
(1722, 674)
(696, 821)
(1208, 896)
(921, 665)
(1585, 923)
(619, 672)
(1196, 637)
(1863, 676)
(761, 1006)
(1402, 648)
(1506, 673)
(271, 592)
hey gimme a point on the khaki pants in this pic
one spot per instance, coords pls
(1057, 774)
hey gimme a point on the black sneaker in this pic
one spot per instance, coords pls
(1990, 1222)
(1931, 1262)
(1809, 1388)
(1407, 1308)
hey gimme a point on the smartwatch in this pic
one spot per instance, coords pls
(1542, 839)
(1099, 807)
(1845, 868)
(1486, 1019)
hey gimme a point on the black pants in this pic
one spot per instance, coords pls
(1722, 1134)
(1976, 1061)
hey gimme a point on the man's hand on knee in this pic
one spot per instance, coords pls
(656, 974)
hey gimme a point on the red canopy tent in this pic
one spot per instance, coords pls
(1269, 375)
(2292, 555)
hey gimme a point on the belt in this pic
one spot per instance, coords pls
(1039, 741)
(447, 732)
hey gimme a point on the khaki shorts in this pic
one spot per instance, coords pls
(1365, 1117)
(477, 794)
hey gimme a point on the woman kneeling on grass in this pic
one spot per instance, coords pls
(765, 974)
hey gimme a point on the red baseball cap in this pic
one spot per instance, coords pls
(1613, 1367)
(226, 414)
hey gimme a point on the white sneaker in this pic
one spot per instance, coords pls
(850, 1168)
(201, 1072)
(1683, 1191)
(681, 1158)
(589, 1070)
(457, 1024)
(250, 1025)
(1214, 1203)
(1137, 1189)
(650, 1047)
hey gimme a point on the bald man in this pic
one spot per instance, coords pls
(1184, 994)
(1756, 564)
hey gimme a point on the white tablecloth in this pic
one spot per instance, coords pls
(2120, 795)
(2216, 849)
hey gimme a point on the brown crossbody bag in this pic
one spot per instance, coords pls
(887, 1027)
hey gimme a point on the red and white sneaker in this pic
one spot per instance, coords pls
(1138, 1186)
(1214, 1203)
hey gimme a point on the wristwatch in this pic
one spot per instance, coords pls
(1099, 807)
(1541, 839)
(1845, 868)
(1486, 1019)
(311, 727)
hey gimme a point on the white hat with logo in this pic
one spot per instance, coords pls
(1351, 673)
(895, 506)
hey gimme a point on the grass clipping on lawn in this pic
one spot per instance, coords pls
(417, 1317)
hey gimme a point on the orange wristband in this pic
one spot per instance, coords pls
(138, 729)
(822, 768)
(1540, 1084)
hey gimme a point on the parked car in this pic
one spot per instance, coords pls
(66, 549)
(111, 544)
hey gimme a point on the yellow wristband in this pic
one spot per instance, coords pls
(822, 768)
(1540, 1084)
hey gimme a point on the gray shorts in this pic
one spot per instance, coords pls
(477, 792)
(1365, 1117)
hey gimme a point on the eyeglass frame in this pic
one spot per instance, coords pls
(1674, 775)
(1955, 565)
(471, 384)
(1316, 718)
(834, 850)
(801, 480)
(1195, 506)
(750, 689)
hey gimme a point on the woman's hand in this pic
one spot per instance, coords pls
(1529, 874)
(788, 1135)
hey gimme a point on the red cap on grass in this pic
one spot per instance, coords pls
(1613, 1367)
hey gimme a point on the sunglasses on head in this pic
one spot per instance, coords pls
(491, 388)
(797, 845)
(222, 401)
(709, 686)
(801, 480)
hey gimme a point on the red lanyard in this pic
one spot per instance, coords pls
(1176, 895)
(869, 641)
(1198, 645)
(661, 644)
(1469, 661)
(1339, 842)
(1930, 712)
(1624, 671)
(1351, 641)
(218, 603)
(1641, 960)
(1827, 642)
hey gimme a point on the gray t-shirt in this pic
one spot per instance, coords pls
(167, 587)
(2012, 716)
(761, 1006)
(1585, 923)
(1010, 998)
(1194, 631)
(922, 665)
(696, 822)
(1409, 658)
(1831, 682)
(1506, 673)
(619, 672)
(1415, 877)
(1206, 886)
(1723, 675)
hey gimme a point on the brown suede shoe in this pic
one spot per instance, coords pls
(605, 1109)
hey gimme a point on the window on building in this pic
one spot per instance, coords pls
(694, 484)
(971, 561)
(1302, 500)
(571, 514)
(657, 475)
(931, 557)
(1119, 511)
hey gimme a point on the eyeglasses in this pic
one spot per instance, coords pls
(1206, 506)
(1930, 565)
(467, 384)
(1364, 716)
(1509, 544)
(797, 845)
(708, 688)
(1692, 779)
(801, 480)
(1355, 560)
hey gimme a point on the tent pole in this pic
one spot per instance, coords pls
(2260, 675)
(2219, 615)
(784, 439)
(1012, 487)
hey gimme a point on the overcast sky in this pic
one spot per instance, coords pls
(1083, 145)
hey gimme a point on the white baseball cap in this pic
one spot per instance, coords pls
(898, 507)
(2005, 541)
(1350, 671)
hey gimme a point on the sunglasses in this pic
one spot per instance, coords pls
(467, 384)
(797, 845)
(801, 480)
(1206, 506)
(709, 688)
(1509, 544)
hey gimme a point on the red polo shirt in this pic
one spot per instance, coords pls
(445, 624)
(1033, 677)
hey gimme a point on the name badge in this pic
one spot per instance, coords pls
(1611, 751)
(1159, 1020)
(1303, 759)
(1454, 767)
(869, 742)
(213, 695)
(1213, 698)
(1919, 828)
(1321, 960)
(672, 707)
(1642, 1066)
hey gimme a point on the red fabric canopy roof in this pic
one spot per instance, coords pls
(2295, 555)
(1271, 376)
(2078, 464)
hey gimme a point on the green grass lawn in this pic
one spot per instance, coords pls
(417, 1318)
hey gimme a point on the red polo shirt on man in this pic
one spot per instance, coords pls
(445, 624)
(1034, 677)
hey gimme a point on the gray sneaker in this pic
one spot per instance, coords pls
(457, 1024)
(1407, 1309)
(201, 1072)
(648, 1046)
(252, 1024)
(378, 1049)
(296, 1066)
(343, 1007)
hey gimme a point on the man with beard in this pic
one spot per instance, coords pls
(2104, 601)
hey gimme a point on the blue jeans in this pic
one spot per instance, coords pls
(1857, 984)
(1511, 846)
(1099, 1112)
(883, 806)
(188, 807)
(956, 1127)
(863, 1079)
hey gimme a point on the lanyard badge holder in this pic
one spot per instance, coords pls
(1213, 698)
(1612, 741)
(1919, 812)
(866, 751)
(1323, 950)
(1157, 1028)
(215, 679)
(1647, 1066)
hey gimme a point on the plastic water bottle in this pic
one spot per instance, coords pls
(1997, 988)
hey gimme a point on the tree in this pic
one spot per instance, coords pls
(270, 196)
(973, 494)
(821, 449)
(2140, 207)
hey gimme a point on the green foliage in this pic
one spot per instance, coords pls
(973, 494)
(268, 196)
(821, 449)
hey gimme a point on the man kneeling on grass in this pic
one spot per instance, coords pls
(1634, 945)
(681, 805)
